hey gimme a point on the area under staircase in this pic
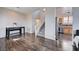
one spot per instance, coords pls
(42, 31)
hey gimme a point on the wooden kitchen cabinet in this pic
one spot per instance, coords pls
(68, 30)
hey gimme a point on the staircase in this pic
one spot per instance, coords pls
(40, 30)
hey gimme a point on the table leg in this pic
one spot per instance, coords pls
(8, 34)
(20, 32)
(24, 31)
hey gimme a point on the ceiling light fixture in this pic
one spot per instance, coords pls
(44, 9)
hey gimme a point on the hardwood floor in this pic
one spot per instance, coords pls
(31, 43)
(65, 41)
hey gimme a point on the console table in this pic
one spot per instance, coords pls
(9, 29)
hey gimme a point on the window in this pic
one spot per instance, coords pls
(67, 20)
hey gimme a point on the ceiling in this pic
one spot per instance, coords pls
(24, 10)
(64, 11)
(60, 11)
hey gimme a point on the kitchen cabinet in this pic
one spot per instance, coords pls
(67, 30)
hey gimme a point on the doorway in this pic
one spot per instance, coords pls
(64, 32)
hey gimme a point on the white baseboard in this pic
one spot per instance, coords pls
(50, 37)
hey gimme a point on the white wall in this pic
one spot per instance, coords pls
(75, 14)
(50, 23)
(8, 17)
(29, 23)
(34, 15)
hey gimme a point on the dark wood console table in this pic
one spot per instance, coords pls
(9, 29)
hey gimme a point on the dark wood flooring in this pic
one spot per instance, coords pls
(30, 42)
